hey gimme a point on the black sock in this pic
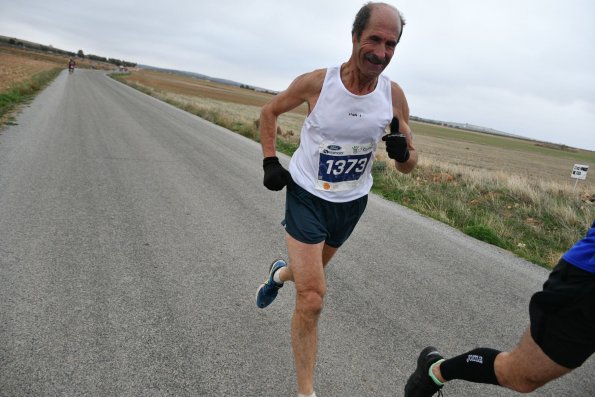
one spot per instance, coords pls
(474, 366)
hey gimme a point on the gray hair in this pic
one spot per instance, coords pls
(363, 17)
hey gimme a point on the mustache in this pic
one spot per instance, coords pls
(376, 60)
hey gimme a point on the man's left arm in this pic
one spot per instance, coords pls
(401, 112)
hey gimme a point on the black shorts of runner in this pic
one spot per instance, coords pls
(563, 315)
(312, 220)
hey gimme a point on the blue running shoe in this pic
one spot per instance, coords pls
(267, 292)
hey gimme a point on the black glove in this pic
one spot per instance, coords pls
(275, 176)
(396, 144)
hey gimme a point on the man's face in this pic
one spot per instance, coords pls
(376, 46)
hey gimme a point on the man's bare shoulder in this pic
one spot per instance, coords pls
(311, 81)
(400, 105)
(396, 89)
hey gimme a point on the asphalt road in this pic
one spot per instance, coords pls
(133, 237)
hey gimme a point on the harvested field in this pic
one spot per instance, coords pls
(520, 158)
(189, 86)
(15, 68)
(18, 65)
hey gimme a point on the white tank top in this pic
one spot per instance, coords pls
(339, 138)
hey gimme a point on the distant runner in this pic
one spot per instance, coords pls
(71, 65)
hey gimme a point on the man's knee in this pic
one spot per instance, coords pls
(516, 376)
(310, 302)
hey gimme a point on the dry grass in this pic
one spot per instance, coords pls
(23, 72)
(18, 65)
(290, 123)
(513, 157)
(192, 87)
(538, 220)
(234, 104)
(16, 68)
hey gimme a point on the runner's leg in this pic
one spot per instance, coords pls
(526, 367)
(307, 272)
(328, 252)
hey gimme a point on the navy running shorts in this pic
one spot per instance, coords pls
(563, 315)
(312, 220)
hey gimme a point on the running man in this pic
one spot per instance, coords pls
(329, 176)
(559, 339)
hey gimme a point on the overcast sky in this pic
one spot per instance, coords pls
(525, 67)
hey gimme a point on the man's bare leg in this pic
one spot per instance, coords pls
(285, 273)
(526, 367)
(306, 270)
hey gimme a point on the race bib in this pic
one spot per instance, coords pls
(341, 167)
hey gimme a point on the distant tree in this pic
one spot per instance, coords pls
(12, 41)
(80, 54)
(96, 58)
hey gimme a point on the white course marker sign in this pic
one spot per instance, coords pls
(579, 171)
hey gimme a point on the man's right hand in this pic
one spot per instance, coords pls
(275, 176)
